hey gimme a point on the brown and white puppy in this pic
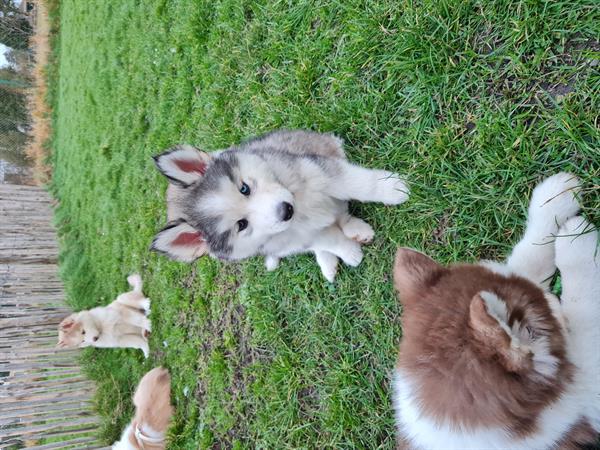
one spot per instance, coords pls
(489, 358)
(124, 323)
(153, 412)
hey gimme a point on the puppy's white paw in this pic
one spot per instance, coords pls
(272, 262)
(146, 350)
(352, 253)
(358, 230)
(576, 244)
(391, 188)
(147, 325)
(145, 305)
(555, 199)
(328, 263)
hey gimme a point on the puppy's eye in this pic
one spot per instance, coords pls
(82, 331)
(242, 224)
(245, 190)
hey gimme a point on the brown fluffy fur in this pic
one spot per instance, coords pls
(581, 434)
(152, 400)
(449, 339)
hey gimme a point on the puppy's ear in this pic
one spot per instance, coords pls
(183, 164)
(180, 241)
(412, 271)
(488, 318)
(67, 323)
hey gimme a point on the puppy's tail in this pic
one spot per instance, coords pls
(135, 281)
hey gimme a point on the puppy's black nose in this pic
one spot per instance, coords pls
(286, 211)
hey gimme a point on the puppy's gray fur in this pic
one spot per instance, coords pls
(299, 184)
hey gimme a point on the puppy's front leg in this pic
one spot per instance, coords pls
(143, 322)
(553, 202)
(357, 229)
(328, 263)
(135, 318)
(272, 262)
(353, 182)
(134, 341)
(578, 259)
(332, 240)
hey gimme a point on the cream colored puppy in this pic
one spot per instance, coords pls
(153, 412)
(124, 323)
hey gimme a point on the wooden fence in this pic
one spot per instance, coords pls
(45, 401)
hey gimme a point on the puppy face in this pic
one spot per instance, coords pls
(231, 205)
(71, 333)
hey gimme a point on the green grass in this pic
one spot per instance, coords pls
(474, 101)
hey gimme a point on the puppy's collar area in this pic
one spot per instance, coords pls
(142, 438)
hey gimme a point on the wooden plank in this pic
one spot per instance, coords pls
(22, 367)
(42, 404)
(43, 373)
(52, 434)
(50, 408)
(32, 353)
(43, 381)
(48, 427)
(85, 442)
(20, 393)
(43, 417)
(47, 396)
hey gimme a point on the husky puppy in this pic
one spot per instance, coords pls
(489, 358)
(153, 412)
(283, 193)
(123, 323)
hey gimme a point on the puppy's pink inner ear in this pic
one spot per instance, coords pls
(188, 238)
(481, 319)
(66, 325)
(189, 165)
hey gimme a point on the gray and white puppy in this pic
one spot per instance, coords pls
(280, 194)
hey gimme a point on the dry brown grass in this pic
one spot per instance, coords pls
(37, 148)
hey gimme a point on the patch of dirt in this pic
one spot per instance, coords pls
(439, 234)
(248, 14)
(231, 322)
(550, 87)
(469, 126)
(308, 398)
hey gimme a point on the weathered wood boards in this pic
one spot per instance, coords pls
(45, 401)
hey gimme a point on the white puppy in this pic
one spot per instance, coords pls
(124, 323)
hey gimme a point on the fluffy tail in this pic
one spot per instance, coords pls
(135, 281)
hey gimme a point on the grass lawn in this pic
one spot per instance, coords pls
(474, 101)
